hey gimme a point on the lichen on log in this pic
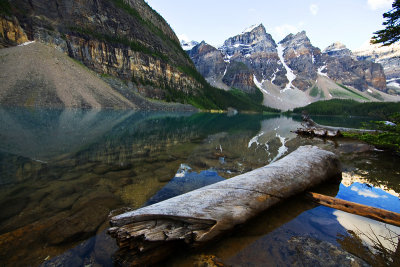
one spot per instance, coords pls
(203, 214)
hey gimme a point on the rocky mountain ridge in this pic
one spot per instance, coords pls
(126, 39)
(122, 39)
(388, 57)
(289, 70)
(188, 45)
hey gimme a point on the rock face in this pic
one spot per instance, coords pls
(253, 57)
(188, 45)
(342, 66)
(254, 48)
(338, 50)
(302, 58)
(11, 32)
(122, 38)
(388, 57)
(37, 75)
(208, 59)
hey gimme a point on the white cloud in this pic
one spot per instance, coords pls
(183, 37)
(377, 4)
(283, 30)
(366, 193)
(314, 9)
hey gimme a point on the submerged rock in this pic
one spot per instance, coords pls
(313, 252)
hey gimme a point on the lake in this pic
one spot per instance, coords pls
(63, 171)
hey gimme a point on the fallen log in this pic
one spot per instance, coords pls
(319, 132)
(200, 215)
(313, 129)
(377, 214)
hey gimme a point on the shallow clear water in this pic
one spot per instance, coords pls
(63, 171)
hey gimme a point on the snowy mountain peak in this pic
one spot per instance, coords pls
(338, 50)
(334, 47)
(188, 45)
(252, 28)
(300, 37)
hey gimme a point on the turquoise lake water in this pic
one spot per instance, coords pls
(63, 171)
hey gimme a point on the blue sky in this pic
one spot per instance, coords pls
(351, 22)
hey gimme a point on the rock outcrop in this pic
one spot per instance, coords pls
(209, 60)
(302, 58)
(255, 48)
(342, 66)
(11, 32)
(388, 57)
(123, 38)
(338, 50)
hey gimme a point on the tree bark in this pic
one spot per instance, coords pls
(203, 214)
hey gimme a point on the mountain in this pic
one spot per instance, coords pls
(290, 73)
(188, 45)
(338, 50)
(388, 57)
(342, 65)
(126, 42)
(37, 75)
(126, 39)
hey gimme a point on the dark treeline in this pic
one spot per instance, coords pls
(340, 107)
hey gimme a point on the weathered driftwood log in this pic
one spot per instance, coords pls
(319, 132)
(201, 215)
(312, 128)
(355, 208)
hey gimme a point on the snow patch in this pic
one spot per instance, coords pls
(274, 75)
(394, 84)
(255, 140)
(249, 29)
(26, 43)
(282, 149)
(260, 84)
(322, 73)
(289, 73)
(227, 58)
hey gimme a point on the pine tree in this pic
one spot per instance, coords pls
(391, 33)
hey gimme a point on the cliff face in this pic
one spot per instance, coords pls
(388, 57)
(255, 48)
(123, 38)
(301, 58)
(209, 60)
(238, 75)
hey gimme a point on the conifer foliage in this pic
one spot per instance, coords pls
(391, 33)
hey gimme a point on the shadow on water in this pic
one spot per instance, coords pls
(63, 171)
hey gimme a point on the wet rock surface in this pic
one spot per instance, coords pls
(312, 252)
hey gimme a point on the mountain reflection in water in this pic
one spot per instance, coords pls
(63, 171)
